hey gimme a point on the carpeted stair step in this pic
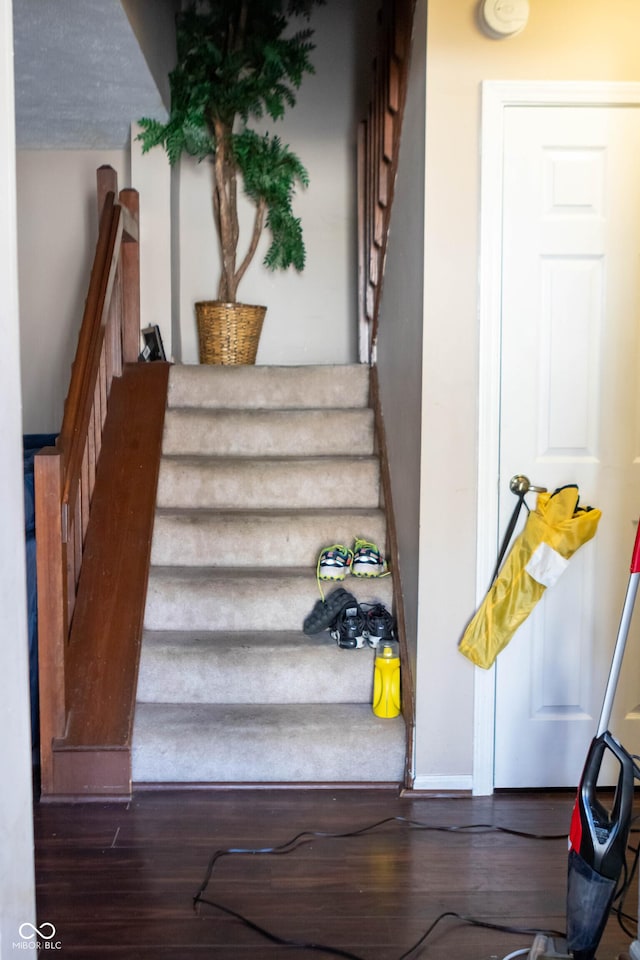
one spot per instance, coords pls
(266, 483)
(272, 667)
(205, 598)
(268, 433)
(262, 467)
(262, 387)
(274, 538)
(265, 743)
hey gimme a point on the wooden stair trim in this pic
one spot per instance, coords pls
(94, 756)
(378, 149)
(85, 774)
(393, 554)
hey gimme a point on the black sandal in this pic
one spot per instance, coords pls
(326, 611)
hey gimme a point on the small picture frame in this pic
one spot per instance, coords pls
(153, 348)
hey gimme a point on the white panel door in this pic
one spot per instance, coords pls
(570, 403)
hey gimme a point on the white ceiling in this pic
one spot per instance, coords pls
(80, 75)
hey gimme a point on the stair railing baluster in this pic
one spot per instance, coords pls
(378, 148)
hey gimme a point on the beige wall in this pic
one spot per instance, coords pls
(565, 40)
(17, 884)
(151, 176)
(57, 231)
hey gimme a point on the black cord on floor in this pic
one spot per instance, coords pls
(281, 941)
(487, 925)
(339, 952)
(307, 836)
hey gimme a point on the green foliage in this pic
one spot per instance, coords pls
(236, 63)
(270, 172)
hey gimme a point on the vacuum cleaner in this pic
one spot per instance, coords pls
(599, 832)
(597, 846)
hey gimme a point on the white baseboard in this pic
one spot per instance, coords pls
(443, 784)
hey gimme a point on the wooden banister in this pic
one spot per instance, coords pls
(378, 146)
(65, 476)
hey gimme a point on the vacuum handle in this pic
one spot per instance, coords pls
(618, 651)
(635, 558)
(604, 833)
(621, 639)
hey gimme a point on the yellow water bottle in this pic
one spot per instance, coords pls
(386, 680)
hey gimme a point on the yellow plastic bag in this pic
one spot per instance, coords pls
(552, 534)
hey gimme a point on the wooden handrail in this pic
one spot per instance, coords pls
(378, 147)
(65, 475)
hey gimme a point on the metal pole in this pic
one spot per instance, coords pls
(618, 654)
(621, 640)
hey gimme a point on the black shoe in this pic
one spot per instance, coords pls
(326, 611)
(348, 629)
(379, 625)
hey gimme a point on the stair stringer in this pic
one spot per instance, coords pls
(393, 554)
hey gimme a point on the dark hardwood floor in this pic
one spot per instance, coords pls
(118, 880)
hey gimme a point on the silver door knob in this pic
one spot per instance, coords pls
(521, 485)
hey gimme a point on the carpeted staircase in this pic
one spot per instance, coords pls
(261, 468)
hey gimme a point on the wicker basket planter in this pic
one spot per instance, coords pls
(228, 333)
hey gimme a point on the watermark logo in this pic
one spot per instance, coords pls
(37, 938)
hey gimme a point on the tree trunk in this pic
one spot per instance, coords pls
(253, 246)
(225, 192)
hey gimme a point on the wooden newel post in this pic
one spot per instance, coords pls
(107, 182)
(130, 264)
(52, 592)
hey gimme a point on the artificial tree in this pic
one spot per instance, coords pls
(236, 64)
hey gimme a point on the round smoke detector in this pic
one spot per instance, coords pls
(504, 18)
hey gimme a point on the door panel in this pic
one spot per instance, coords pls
(570, 414)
